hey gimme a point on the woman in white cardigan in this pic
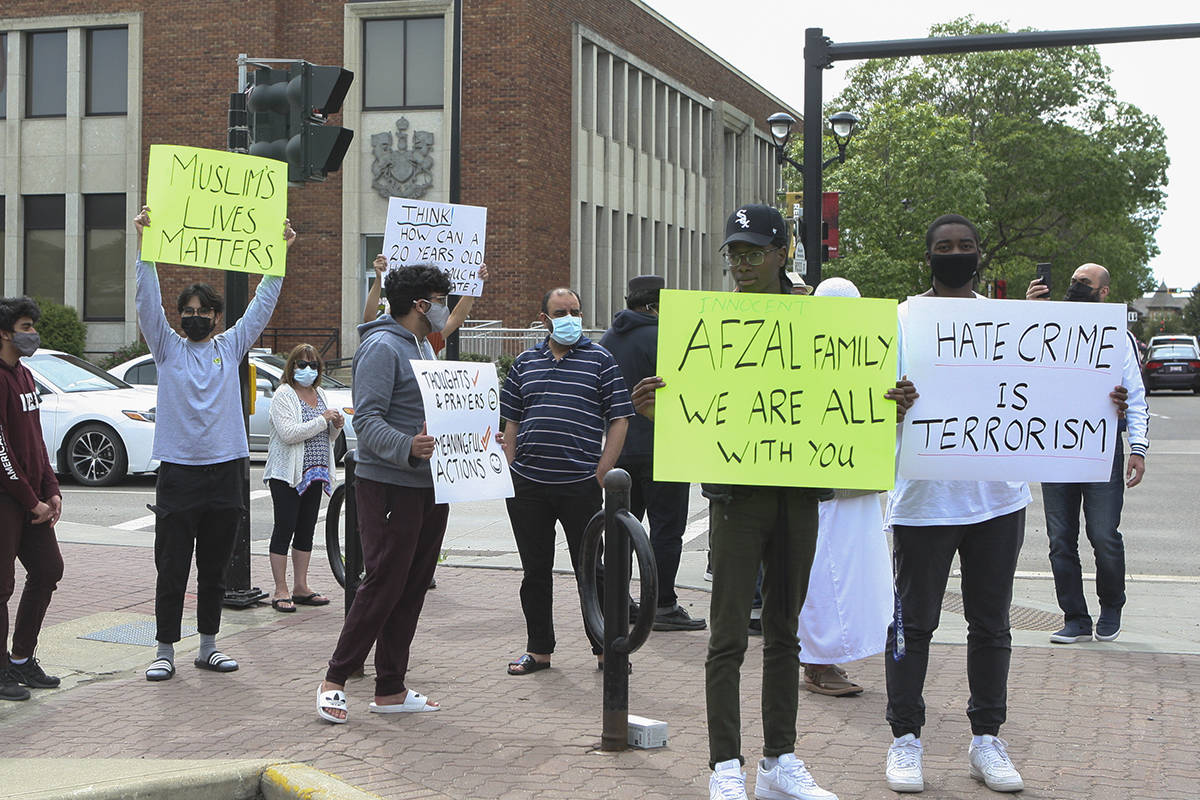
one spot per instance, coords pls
(300, 465)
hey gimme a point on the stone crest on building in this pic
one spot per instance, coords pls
(402, 172)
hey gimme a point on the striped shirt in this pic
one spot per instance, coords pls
(563, 407)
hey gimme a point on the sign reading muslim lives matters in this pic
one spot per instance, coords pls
(462, 414)
(1013, 391)
(447, 235)
(214, 209)
(775, 390)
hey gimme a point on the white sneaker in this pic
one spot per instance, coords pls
(789, 780)
(904, 773)
(990, 763)
(727, 781)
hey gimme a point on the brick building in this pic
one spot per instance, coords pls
(603, 140)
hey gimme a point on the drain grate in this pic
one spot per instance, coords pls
(141, 632)
(1022, 618)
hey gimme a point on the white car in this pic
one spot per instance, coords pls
(143, 372)
(97, 428)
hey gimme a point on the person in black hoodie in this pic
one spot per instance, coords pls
(633, 341)
(30, 503)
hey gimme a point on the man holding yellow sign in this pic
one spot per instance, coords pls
(200, 439)
(780, 381)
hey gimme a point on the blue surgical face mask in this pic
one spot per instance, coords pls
(567, 329)
(305, 376)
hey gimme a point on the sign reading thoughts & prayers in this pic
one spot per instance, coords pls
(209, 208)
(462, 414)
(447, 235)
(1011, 391)
(775, 390)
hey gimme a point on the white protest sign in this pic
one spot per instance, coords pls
(1011, 390)
(462, 414)
(447, 235)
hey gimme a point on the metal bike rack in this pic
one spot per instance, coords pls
(620, 530)
(347, 565)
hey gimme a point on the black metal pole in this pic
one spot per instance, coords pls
(353, 545)
(814, 49)
(615, 734)
(455, 142)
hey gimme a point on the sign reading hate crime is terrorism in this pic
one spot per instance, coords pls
(447, 235)
(1011, 390)
(214, 209)
(462, 414)
(775, 390)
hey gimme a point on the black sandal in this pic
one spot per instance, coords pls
(526, 664)
(288, 609)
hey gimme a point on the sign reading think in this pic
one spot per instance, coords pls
(443, 234)
(1011, 391)
(775, 390)
(462, 414)
(214, 209)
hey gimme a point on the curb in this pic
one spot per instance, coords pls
(286, 781)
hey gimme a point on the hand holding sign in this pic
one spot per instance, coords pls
(422, 444)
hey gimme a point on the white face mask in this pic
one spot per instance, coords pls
(305, 376)
(437, 315)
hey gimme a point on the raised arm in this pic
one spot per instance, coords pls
(151, 317)
(258, 314)
(371, 308)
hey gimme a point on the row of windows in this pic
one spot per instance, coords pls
(103, 251)
(623, 103)
(106, 69)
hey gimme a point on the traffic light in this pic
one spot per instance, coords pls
(288, 112)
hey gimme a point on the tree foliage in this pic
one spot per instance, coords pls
(60, 327)
(1191, 313)
(1032, 145)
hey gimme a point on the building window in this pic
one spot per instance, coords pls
(45, 240)
(46, 87)
(107, 71)
(402, 63)
(3, 75)
(2, 210)
(104, 257)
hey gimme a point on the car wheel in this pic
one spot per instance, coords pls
(95, 455)
(339, 447)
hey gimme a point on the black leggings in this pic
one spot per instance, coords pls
(294, 514)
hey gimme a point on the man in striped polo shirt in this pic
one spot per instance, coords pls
(557, 402)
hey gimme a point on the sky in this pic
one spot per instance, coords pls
(765, 40)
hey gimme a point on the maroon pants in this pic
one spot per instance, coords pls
(37, 549)
(401, 530)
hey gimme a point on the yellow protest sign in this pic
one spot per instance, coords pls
(209, 208)
(775, 390)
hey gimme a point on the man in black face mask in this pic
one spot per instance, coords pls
(1102, 502)
(200, 440)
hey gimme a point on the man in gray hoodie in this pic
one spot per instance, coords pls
(400, 524)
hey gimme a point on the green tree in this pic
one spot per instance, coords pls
(1032, 145)
(1191, 313)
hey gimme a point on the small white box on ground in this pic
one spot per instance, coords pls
(646, 733)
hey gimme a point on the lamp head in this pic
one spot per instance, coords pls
(843, 123)
(781, 127)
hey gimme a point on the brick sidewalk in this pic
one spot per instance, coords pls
(1084, 724)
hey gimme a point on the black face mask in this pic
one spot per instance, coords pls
(1081, 292)
(197, 328)
(954, 270)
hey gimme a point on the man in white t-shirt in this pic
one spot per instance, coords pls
(983, 522)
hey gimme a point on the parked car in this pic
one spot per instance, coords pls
(1173, 338)
(142, 371)
(97, 427)
(1172, 366)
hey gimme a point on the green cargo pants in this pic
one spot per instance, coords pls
(775, 527)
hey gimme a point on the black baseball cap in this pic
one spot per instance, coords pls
(757, 224)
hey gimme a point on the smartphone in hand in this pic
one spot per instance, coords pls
(1043, 273)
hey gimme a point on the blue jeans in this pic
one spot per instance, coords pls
(1102, 503)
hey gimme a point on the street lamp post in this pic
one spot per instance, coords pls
(842, 124)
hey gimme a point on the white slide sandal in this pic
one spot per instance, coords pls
(414, 702)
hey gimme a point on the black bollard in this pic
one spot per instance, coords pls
(620, 530)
